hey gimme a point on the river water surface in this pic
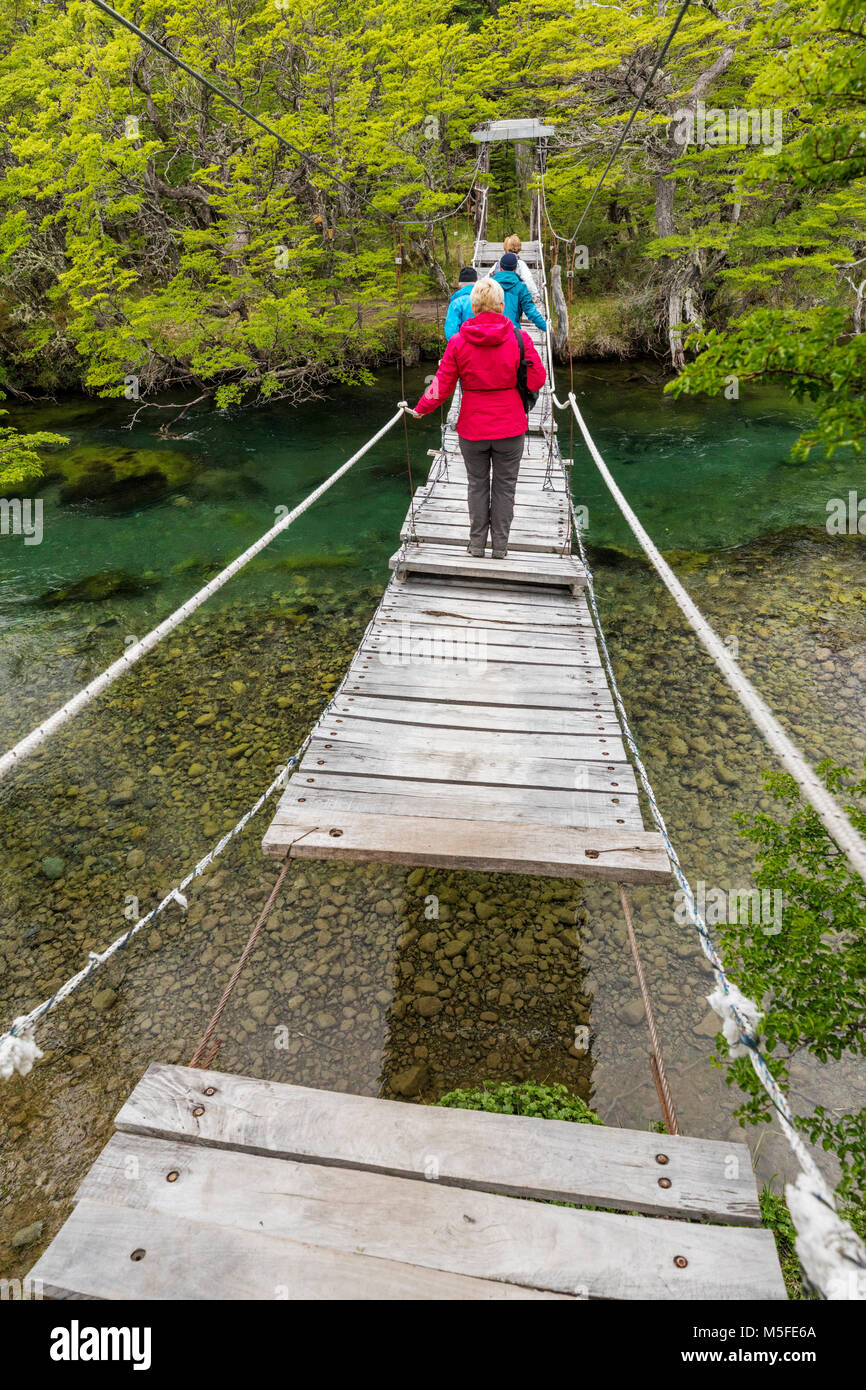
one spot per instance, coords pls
(121, 803)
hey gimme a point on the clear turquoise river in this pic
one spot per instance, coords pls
(120, 804)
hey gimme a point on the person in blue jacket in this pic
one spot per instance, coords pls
(518, 300)
(459, 308)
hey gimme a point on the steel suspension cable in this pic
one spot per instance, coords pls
(660, 1078)
(628, 125)
(263, 125)
(204, 1054)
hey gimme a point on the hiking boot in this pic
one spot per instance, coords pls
(499, 554)
(474, 552)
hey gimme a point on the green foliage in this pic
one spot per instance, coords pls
(19, 453)
(802, 244)
(777, 1218)
(811, 975)
(808, 349)
(523, 1098)
(150, 231)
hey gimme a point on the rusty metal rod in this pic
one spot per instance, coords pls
(657, 1065)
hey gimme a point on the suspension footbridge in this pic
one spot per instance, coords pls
(479, 726)
(475, 729)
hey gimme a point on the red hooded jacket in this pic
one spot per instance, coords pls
(484, 356)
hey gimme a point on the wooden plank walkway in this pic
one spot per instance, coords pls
(248, 1189)
(475, 728)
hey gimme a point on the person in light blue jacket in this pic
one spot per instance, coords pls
(518, 300)
(459, 308)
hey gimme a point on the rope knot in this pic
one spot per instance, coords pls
(18, 1049)
(740, 1017)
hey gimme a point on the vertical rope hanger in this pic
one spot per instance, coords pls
(440, 329)
(398, 270)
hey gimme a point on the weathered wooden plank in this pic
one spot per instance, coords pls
(482, 608)
(520, 678)
(432, 532)
(424, 1224)
(409, 640)
(534, 480)
(539, 596)
(458, 611)
(568, 747)
(403, 600)
(548, 645)
(455, 715)
(451, 496)
(409, 643)
(533, 475)
(511, 683)
(592, 1165)
(402, 797)
(452, 528)
(431, 762)
(90, 1257)
(525, 608)
(535, 503)
(430, 559)
(542, 521)
(553, 851)
(527, 521)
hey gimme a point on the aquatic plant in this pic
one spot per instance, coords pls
(522, 1098)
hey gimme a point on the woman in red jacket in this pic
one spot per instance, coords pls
(484, 357)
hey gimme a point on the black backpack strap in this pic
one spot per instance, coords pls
(521, 366)
(519, 337)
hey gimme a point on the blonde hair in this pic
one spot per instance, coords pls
(487, 296)
(513, 243)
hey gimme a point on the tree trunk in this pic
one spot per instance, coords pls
(535, 216)
(480, 220)
(523, 162)
(675, 317)
(683, 274)
(423, 248)
(684, 287)
(559, 332)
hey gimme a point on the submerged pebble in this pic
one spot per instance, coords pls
(352, 985)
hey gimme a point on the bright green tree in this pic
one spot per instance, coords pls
(160, 239)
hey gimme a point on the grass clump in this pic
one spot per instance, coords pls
(522, 1098)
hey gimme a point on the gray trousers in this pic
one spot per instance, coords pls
(492, 466)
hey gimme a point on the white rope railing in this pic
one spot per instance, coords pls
(18, 1047)
(830, 1251)
(134, 653)
(832, 816)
